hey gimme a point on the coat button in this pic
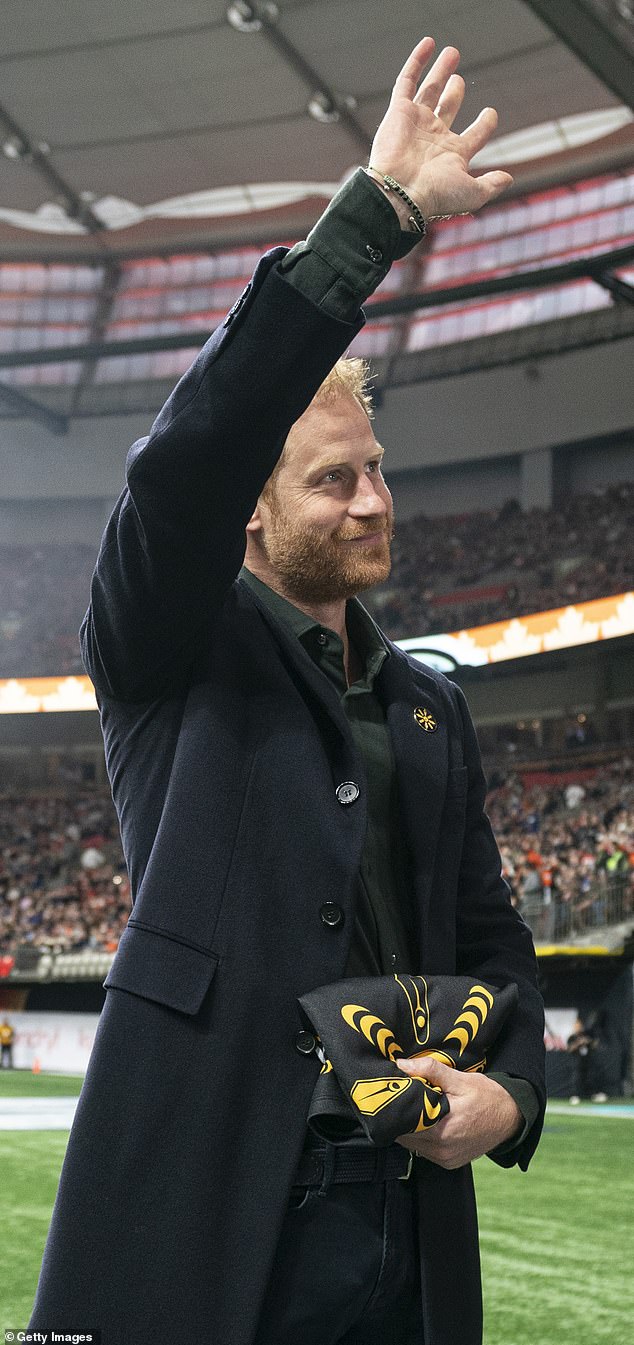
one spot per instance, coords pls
(347, 792)
(305, 1043)
(331, 914)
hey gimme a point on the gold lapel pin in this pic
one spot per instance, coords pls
(425, 719)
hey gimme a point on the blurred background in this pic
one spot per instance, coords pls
(149, 154)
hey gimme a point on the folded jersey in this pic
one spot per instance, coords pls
(364, 1024)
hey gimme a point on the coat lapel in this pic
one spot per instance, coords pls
(417, 721)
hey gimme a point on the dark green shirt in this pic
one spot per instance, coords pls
(382, 939)
(350, 250)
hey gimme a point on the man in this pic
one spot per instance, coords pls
(7, 1036)
(287, 820)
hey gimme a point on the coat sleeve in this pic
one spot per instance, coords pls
(176, 539)
(494, 943)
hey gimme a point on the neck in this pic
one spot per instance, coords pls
(329, 614)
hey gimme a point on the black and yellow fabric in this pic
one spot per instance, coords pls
(364, 1024)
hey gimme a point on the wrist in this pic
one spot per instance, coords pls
(408, 221)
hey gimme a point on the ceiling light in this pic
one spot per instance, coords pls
(322, 108)
(14, 148)
(243, 18)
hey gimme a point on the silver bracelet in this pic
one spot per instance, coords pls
(416, 219)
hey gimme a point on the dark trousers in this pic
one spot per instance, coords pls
(346, 1270)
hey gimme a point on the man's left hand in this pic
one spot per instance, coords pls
(482, 1115)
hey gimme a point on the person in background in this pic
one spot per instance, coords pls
(7, 1035)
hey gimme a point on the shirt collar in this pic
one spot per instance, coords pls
(364, 632)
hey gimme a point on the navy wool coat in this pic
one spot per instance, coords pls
(225, 746)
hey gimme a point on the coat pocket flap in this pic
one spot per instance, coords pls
(158, 967)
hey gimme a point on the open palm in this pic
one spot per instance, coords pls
(415, 143)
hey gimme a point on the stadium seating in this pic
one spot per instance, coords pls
(448, 573)
(567, 850)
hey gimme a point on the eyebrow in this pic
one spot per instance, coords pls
(329, 466)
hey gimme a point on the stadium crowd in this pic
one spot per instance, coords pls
(44, 593)
(63, 881)
(568, 849)
(565, 846)
(451, 573)
(448, 573)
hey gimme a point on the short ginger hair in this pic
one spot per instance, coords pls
(351, 376)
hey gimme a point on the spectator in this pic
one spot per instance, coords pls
(7, 1035)
(49, 898)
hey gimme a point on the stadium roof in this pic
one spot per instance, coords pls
(150, 149)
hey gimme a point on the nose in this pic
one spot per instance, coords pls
(368, 501)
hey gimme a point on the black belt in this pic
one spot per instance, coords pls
(353, 1163)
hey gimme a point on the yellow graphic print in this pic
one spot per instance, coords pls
(430, 1112)
(414, 988)
(470, 1019)
(371, 1095)
(435, 1054)
(425, 719)
(373, 1029)
(326, 1067)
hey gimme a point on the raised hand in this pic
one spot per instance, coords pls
(415, 143)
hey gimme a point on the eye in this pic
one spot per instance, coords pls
(334, 475)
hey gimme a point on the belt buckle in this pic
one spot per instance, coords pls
(406, 1175)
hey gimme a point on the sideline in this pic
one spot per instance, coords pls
(37, 1113)
(620, 1109)
(57, 1113)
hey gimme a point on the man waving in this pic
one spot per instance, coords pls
(299, 802)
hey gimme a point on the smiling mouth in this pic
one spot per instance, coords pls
(367, 539)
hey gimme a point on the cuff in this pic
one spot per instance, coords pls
(526, 1098)
(350, 250)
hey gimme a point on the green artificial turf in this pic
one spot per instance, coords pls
(30, 1162)
(556, 1242)
(22, 1083)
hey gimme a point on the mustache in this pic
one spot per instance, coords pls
(368, 530)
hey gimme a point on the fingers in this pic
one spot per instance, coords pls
(406, 82)
(427, 1068)
(450, 100)
(493, 184)
(434, 83)
(476, 135)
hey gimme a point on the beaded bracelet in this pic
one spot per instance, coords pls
(416, 219)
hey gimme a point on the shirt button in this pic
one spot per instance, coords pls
(331, 914)
(348, 792)
(305, 1043)
(321, 638)
(374, 254)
